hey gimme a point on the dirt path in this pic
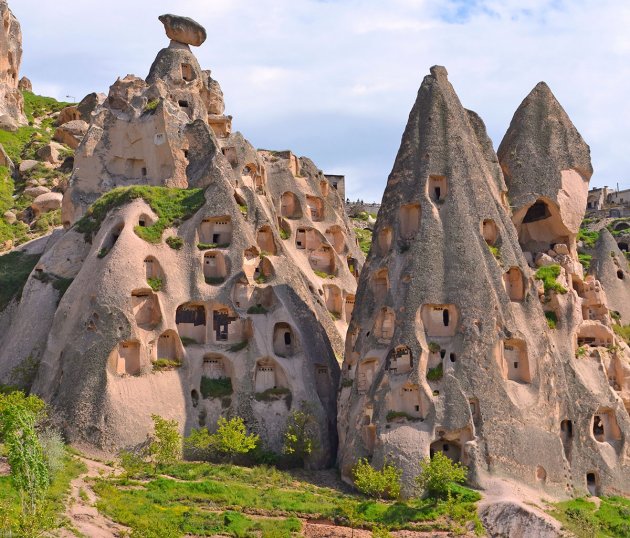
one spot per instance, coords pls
(85, 519)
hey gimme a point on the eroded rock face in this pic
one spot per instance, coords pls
(449, 348)
(183, 30)
(11, 101)
(256, 298)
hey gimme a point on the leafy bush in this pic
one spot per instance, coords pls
(215, 388)
(434, 347)
(151, 106)
(54, 449)
(238, 347)
(102, 253)
(322, 274)
(365, 239)
(581, 352)
(435, 374)
(438, 473)
(384, 484)
(155, 283)
(623, 331)
(495, 251)
(175, 242)
(300, 435)
(133, 463)
(548, 274)
(587, 237)
(257, 309)
(171, 205)
(585, 260)
(231, 438)
(211, 246)
(272, 394)
(552, 319)
(187, 341)
(165, 447)
(285, 234)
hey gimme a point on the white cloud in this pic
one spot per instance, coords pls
(335, 80)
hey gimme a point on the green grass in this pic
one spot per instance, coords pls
(195, 498)
(548, 274)
(36, 106)
(211, 246)
(623, 331)
(187, 341)
(170, 205)
(14, 270)
(323, 274)
(587, 237)
(585, 520)
(151, 106)
(285, 234)
(435, 374)
(365, 239)
(238, 347)
(585, 260)
(552, 319)
(215, 388)
(54, 503)
(166, 364)
(393, 415)
(495, 251)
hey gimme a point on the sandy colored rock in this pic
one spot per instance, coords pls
(27, 164)
(71, 133)
(430, 367)
(6, 161)
(183, 29)
(25, 85)
(50, 153)
(9, 216)
(516, 520)
(11, 100)
(47, 202)
(34, 192)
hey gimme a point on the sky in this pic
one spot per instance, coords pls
(335, 80)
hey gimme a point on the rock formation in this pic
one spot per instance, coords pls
(238, 308)
(610, 267)
(450, 347)
(11, 100)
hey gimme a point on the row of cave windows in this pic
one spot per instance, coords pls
(269, 374)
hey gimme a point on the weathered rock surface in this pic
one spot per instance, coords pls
(610, 266)
(183, 29)
(47, 202)
(11, 100)
(258, 295)
(449, 348)
(515, 520)
(25, 85)
(71, 133)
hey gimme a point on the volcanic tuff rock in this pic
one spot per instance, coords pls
(11, 100)
(183, 30)
(449, 348)
(243, 312)
(610, 267)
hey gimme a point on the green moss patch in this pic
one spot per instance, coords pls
(215, 388)
(548, 274)
(14, 270)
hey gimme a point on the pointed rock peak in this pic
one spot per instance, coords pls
(439, 73)
(183, 29)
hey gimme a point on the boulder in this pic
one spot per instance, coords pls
(27, 164)
(89, 103)
(10, 217)
(25, 85)
(68, 114)
(7, 123)
(34, 192)
(6, 161)
(183, 30)
(50, 152)
(514, 520)
(71, 133)
(47, 202)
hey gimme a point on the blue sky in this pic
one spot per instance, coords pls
(335, 79)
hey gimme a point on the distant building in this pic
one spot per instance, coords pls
(596, 198)
(339, 183)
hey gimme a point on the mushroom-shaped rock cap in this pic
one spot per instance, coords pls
(183, 29)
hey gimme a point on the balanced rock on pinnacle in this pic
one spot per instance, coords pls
(183, 30)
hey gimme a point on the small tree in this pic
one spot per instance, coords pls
(232, 439)
(381, 484)
(437, 474)
(300, 436)
(166, 445)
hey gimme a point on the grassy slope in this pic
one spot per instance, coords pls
(202, 499)
(585, 520)
(14, 270)
(54, 506)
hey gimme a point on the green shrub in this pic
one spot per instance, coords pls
(384, 484)
(215, 388)
(14, 270)
(155, 283)
(243, 209)
(585, 260)
(587, 237)
(257, 309)
(285, 234)
(347, 383)
(166, 364)
(623, 331)
(102, 253)
(322, 274)
(133, 463)
(272, 394)
(171, 205)
(187, 341)
(548, 274)
(231, 438)
(393, 415)
(212, 246)
(165, 446)
(214, 280)
(435, 374)
(438, 473)
(238, 347)
(365, 239)
(495, 251)
(151, 106)
(434, 347)
(581, 352)
(300, 435)
(175, 242)
(552, 319)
